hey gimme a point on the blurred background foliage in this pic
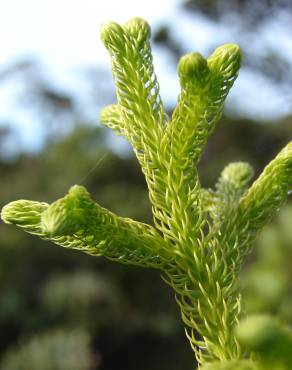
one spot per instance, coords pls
(64, 310)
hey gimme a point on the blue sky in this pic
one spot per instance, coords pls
(64, 32)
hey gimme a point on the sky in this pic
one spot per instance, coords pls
(66, 32)
(64, 36)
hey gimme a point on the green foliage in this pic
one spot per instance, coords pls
(57, 350)
(268, 339)
(200, 237)
(262, 292)
(78, 296)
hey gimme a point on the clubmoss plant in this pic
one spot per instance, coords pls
(200, 237)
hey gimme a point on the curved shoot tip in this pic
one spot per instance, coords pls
(66, 215)
(114, 35)
(138, 28)
(226, 59)
(192, 67)
(23, 212)
(78, 191)
(56, 220)
(109, 113)
(111, 34)
(238, 174)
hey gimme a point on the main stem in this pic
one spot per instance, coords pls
(209, 307)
